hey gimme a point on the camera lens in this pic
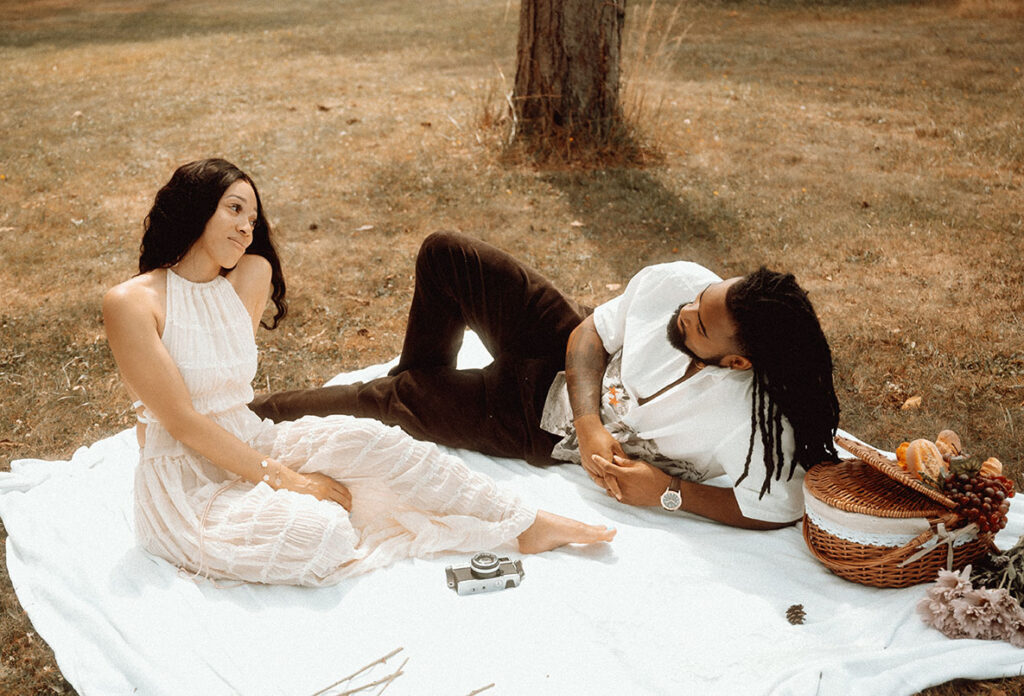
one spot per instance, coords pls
(484, 565)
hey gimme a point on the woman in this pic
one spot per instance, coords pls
(220, 492)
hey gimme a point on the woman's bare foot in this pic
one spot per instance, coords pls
(549, 531)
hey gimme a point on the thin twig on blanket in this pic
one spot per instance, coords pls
(390, 682)
(474, 692)
(360, 671)
(388, 679)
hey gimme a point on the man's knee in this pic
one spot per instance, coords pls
(445, 260)
(272, 406)
(439, 243)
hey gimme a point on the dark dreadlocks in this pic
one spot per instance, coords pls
(778, 331)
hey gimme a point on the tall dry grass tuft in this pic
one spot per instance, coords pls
(653, 43)
(493, 114)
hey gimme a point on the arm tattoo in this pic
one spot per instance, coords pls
(585, 362)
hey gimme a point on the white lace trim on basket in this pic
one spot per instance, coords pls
(868, 529)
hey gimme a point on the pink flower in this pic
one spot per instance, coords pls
(955, 608)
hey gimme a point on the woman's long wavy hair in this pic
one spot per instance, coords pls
(778, 330)
(180, 213)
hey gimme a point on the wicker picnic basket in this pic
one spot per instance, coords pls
(869, 521)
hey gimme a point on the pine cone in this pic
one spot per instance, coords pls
(795, 614)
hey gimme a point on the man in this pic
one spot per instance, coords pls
(683, 378)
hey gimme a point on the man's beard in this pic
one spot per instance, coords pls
(677, 339)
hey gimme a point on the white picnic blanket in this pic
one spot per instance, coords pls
(675, 605)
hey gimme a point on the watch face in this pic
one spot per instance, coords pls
(671, 500)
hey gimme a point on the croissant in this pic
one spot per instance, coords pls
(991, 467)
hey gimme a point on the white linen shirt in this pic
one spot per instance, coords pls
(700, 428)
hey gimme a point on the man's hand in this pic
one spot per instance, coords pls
(594, 439)
(633, 481)
(585, 362)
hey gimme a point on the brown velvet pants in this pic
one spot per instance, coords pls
(521, 318)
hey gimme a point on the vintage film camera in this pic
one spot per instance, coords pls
(484, 573)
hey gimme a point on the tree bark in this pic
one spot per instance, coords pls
(567, 69)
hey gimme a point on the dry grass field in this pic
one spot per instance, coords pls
(875, 149)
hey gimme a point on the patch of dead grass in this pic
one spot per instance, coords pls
(873, 149)
(989, 9)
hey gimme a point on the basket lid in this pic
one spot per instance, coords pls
(854, 486)
(891, 469)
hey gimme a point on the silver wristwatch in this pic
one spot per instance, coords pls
(672, 499)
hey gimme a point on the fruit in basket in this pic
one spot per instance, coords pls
(979, 491)
(901, 454)
(925, 461)
(980, 498)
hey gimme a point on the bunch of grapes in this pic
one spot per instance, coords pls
(980, 498)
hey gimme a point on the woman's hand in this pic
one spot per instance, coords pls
(320, 486)
(323, 487)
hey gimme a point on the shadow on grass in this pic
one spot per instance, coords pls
(635, 205)
(608, 205)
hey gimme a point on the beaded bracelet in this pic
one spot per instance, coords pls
(266, 474)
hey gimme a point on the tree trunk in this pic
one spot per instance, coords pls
(567, 69)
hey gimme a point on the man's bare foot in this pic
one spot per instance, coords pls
(549, 531)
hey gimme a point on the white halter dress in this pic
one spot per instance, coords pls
(408, 497)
